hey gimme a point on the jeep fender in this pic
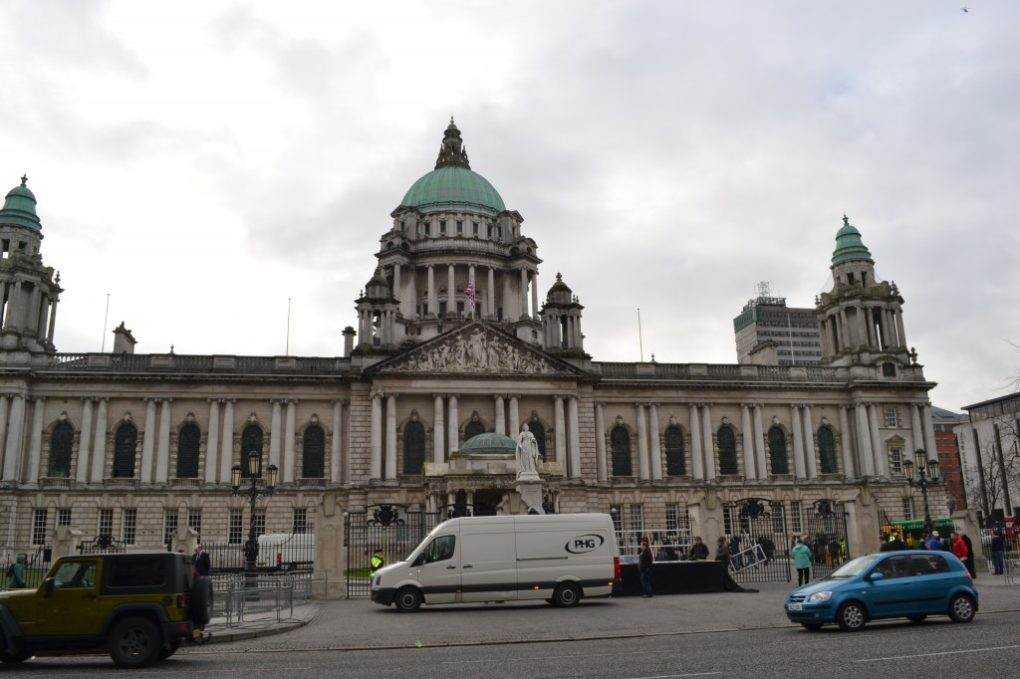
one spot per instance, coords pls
(10, 631)
(147, 609)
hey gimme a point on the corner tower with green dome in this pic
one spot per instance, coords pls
(28, 305)
(453, 253)
(861, 318)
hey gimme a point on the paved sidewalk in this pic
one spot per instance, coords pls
(360, 624)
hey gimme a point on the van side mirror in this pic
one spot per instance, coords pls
(47, 586)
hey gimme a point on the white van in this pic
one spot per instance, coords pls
(286, 551)
(556, 557)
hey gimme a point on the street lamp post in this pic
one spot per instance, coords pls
(254, 467)
(924, 478)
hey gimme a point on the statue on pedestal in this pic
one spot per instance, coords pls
(527, 454)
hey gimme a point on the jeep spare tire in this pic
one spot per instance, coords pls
(201, 601)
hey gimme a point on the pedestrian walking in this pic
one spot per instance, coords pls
(969, 561)
(998, 553)
(202, 561)
(378, 560)
(722, 551)
(17, 572)
(645, 568)
(801, 555)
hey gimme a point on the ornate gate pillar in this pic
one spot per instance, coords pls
(329, 581)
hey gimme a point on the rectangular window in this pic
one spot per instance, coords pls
(129, 523)
(428, 229)
(908, 508)
(235, 528)
(169, 525)
(474, 228)
(892, 417)
(106, 522)
(442, 226)
(796, 518)
(300, 521)
(728, 522)
(779, 518)
(489, 230)
(39, 520)
(260, 522)
(460, 227)
(63, 517)
(896, 460)
(616, 511)
(195, 520)
(637, 518)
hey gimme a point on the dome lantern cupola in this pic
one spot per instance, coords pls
(452, 153)
(19, 208)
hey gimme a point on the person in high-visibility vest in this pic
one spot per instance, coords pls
(377, 560)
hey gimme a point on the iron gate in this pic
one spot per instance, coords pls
(390, 528)
(830, 543)
(759, 541)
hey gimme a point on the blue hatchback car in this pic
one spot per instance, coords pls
(909, 584)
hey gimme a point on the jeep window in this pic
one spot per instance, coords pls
(136, 572)
(75, 574)
(440, 549)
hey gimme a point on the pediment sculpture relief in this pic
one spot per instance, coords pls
(475, 351)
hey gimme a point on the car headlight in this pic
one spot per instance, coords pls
(820, 596)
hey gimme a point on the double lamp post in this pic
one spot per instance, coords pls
(923, 480)
(253, 462)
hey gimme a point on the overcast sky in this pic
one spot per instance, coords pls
(202, 162)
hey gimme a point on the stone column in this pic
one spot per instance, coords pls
(337, 473)
(227, 442)
(655, 447)
(99, 442)
(4, 410)
(391, 437)
(866, 458)
(899, 328)
(289, 452)
(508, 299)
(163, 450)
(454, 427)
(846, 448)
(878, 450)
(84, 441)
(432, 296)
(437, 430)
(575, 436)
(523, 297)
(375, 467)
(35, 441)
(916, 430)
(275, 433)
(397, 292)
(148, 441)
(560, 435)
(809, 442)
(929, 435)
(600, 443)
(451, 292)
(211, 440)
(490, 309)
(798, 447)
(12, 457)
(412, 294)
(697, 459)
(515, 416)
(759, 444)
(471, 284)
(500, 416)
(747, 437)
(53, 321)
(709, 450)
(534, 294)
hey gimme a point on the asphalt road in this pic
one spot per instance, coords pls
(988, 647)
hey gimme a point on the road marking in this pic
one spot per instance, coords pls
(672, 676)
(561, 657)
(939, 653)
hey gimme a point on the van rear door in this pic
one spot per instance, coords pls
(489, 560)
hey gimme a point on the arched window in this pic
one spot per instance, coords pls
(472, 429)
(251, 440)
(313, 453)
(676, 465)
(777, 451)
(536, 428)
(60, 450)
(827, 449)
(620, 442)
(124, 442)
(187, 451)
(727, 451)
(414, 447)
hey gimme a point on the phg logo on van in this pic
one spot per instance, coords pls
(583, 544)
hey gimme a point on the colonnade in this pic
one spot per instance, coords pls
(32, 312)
(839, 332)
(514, 303)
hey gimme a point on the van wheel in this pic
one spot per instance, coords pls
(851, 616)
(566, 595)
(408, 599)
(961, 608)
(134, 642)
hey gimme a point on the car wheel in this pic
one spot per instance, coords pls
(961, 608)
(200, 602)
(408, 599)
(134, 642)
(165, 653)
(851, 616)
(14, 658)
(567, 594)
(812, 626)
(916, 619)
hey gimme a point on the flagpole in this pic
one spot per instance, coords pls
(106, 317)
(641, 346)
(286, 351)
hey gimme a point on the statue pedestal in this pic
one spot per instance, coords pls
(530, 488)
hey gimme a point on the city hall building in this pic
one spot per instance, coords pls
(457, 345)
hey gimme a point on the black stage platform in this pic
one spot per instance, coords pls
(680, 577)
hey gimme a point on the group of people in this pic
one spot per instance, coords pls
(957, 543)
(697, 552)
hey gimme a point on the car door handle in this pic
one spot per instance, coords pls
(467, 565)
(451, 568)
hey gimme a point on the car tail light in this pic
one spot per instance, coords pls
(616, 568)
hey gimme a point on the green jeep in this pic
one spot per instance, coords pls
(137, 606)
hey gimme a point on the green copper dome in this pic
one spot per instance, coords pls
(452, 185)
(489, 443)
(19, 208)
(849, 246)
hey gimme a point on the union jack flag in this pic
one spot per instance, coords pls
(470, 293)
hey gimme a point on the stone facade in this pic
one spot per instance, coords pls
(121, 442)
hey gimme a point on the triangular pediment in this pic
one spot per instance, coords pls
(476, 349)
